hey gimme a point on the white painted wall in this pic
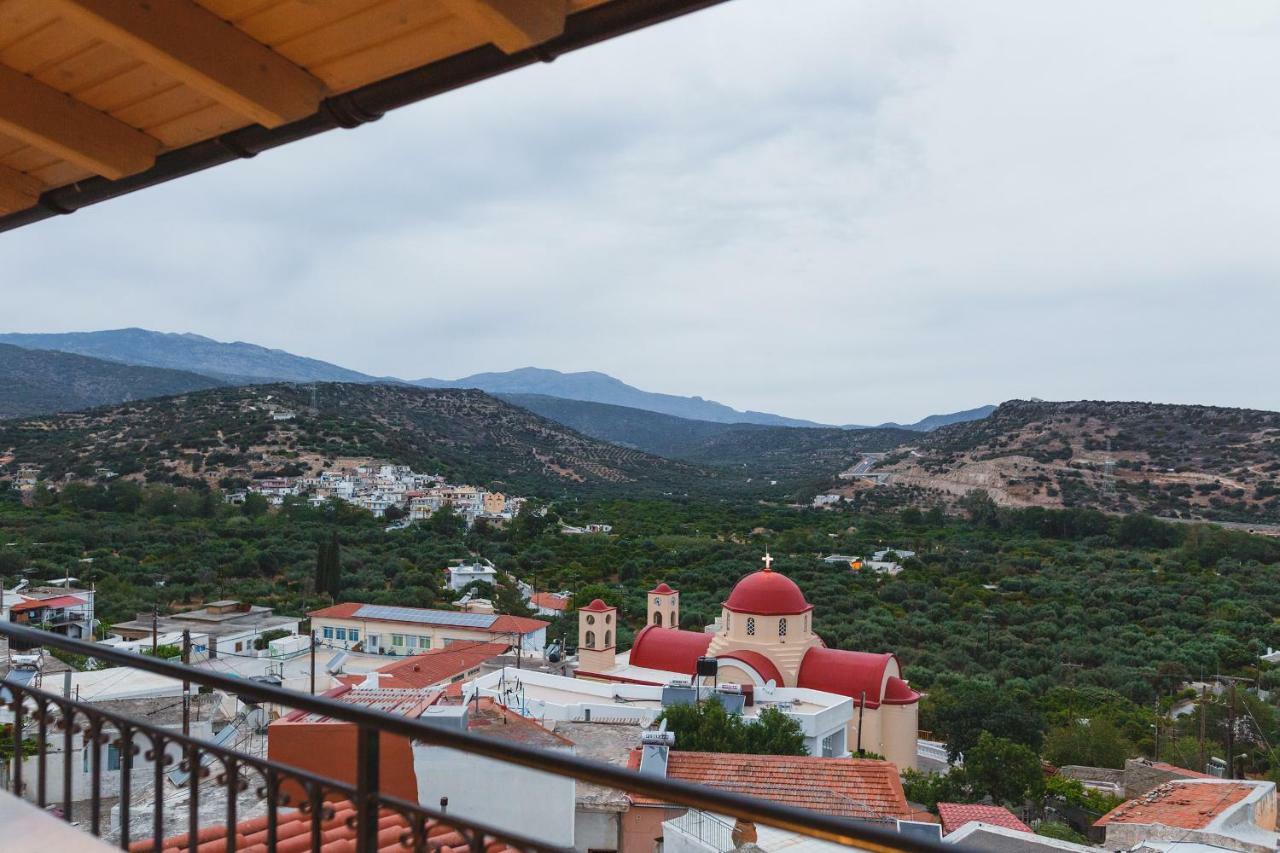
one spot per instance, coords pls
(534, 803)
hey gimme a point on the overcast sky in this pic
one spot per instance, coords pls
(845, 211)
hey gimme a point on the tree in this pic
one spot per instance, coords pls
(707, 727)
(981, 508)
(962, 713)
(1006, 771)
(329, 566)
(1097, 742)
(254, 505)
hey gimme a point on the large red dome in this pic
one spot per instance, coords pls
(767, 593)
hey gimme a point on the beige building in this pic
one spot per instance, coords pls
(387, 629)
(763, 640)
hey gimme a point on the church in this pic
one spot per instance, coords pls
(763, 640)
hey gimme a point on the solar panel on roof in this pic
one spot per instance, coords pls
(425, 617)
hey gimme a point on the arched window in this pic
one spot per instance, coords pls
(591, 620)
(657, 619)
(751, 626)
(591, 639)
(782, 627)
(608, 619)
(728, 621)
(608, 639)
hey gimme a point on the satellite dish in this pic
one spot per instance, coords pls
(770, 686)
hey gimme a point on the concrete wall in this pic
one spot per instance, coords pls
(534, 803)
(596, 830)
(899, 727)
(642, 829)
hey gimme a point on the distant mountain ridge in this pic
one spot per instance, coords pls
(36, 382)
(595, 387)
(241, 363)
(234, 363)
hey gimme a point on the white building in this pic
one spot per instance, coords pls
(460, 576)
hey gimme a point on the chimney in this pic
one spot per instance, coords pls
(370, 681)
(653, 750)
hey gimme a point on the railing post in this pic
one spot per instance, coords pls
(367, 772)
(18, 702)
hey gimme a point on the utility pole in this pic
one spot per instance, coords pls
(1231, 734)
(155, 630)
(313, 661)
(186, 685)
(1204, 692)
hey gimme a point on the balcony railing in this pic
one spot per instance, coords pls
(46, 717)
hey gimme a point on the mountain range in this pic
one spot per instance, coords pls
(240, 363)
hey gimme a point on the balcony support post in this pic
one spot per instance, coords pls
(367, 773)
(18, 701)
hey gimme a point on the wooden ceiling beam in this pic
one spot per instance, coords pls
(201, 50)
(55, 122)
(513, 25)
(18, 190)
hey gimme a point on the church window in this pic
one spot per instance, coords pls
(751, 626)
(591, 620)
(608, 639)
(591, 639)
(782, 627)
(657, 619)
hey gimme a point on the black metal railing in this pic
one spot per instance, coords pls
(43, 716)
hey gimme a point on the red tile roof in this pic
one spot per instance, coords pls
(662, 589)
(516, 625)
(437, 665)
(293, 834)
(956, 815)
(56, 601)
(597, 606)
(847, 787)
(668, 649)
(851, 673)
(549, 601)
(1185, 805)
(345, 610)
(1181, 771)
(406, 702)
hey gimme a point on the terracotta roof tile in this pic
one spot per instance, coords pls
(293, 834)
(505, 624)
(956, 815)
(549, 600)
(1186, 805)
(437, 665)
(56, 601)
(849, 787)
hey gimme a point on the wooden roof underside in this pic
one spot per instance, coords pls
(102, 88)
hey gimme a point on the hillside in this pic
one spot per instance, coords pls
(229, 435)
(761, 451)
(235, 363)
(932, 422)
(36, 382)
(595, 387)
(1192, 461)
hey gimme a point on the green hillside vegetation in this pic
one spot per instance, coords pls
(1018, 623)
(771, 452)
(229, 436)
(34, 382)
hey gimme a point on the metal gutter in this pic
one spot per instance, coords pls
(359, 106)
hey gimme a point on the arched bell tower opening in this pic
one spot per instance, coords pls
(597, 634)
(663, 610)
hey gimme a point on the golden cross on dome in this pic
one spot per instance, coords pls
(768, 562)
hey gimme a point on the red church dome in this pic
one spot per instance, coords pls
(767, 593)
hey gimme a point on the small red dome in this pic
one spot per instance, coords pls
(597, 606)
(662, 589)
(767, 593)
